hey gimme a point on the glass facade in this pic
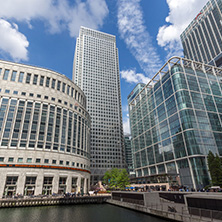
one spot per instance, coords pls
(177, 120)
(128, 153)
(202, 39)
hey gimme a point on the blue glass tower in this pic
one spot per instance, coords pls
(175, 121)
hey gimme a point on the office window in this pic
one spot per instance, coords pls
(1, 159)
(46, 161)
(41, 81)
(13, 77)
(47, 81)
(38, 160)
(58, 85)
(21, 76)
(29, 160)
(10, 159)
(53, 83)
(20, 160)
(68, 89)
(63, 87)
(35, 79)
(28, 78)
(5, 77)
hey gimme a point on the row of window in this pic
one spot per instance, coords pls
(198, 166)
(45, 161)
(15, 92)
(32, 124)
(45, 81)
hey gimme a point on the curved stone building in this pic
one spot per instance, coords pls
(44, 132)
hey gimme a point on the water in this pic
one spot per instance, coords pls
(75, 213)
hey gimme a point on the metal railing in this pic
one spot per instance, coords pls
(190, 213)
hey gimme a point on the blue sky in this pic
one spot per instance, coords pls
(43, 33)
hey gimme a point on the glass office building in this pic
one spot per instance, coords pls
(128, 153)
(202, 39)
(135, 91)
(175, 121)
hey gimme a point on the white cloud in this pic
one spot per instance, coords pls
(131, 76)
(90, 14)
(133, 31)
(12, 41)
(126, 126)
(57, 16)
(125, 108)
(181, 13)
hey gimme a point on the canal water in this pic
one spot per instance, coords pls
(75, 213)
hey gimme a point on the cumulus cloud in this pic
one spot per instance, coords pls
(90, 14)
(57, 16)
(126, 125)
(131, 76)
(133, 31)
(12, 41)
(181, 13)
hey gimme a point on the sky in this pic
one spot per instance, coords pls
(43, 33)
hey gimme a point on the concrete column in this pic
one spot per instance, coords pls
(78, 184)
(192, 175)
(21, 183)
(39, 184)
(68, 183)
(85, 186)
(2, 182)
(55, 184)
(89, 183)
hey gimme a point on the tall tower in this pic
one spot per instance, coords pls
(202, 39)
(96, 72)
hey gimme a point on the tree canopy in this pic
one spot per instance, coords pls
(116, 178)
(215, 168)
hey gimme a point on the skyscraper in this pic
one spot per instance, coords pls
(202, 39)
(128, 153)
(135, 91)
(96, 72)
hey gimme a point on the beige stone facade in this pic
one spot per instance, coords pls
(44, 132)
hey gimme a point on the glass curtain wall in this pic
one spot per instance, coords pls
(178, 119)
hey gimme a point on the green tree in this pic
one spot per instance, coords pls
(215, 168)
(116, 178)
(123, 179)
